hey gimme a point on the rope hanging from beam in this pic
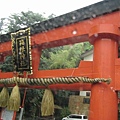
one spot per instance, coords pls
(49, 81)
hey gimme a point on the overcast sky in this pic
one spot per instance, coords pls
(46, 7)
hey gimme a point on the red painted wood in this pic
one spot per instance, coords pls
(64, 35)
(103, 96)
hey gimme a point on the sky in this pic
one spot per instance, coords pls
(44, 7)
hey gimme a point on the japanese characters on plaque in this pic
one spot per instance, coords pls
(21, 49)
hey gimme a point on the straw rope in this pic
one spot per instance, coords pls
(4, 96)
(49, 81)
(47, 104)
(14, 100)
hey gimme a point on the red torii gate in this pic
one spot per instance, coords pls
(99, 24)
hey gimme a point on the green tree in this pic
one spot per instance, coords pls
(1, 24)
(7, 65)
(46, 55)
(65, 112)
(63, 57)
(23, 19)
(33, 102)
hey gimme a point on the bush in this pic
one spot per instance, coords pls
(64, 112)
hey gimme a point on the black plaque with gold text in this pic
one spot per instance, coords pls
(21, 49)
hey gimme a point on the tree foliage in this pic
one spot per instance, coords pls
(63, 57)
(65, 112)
(1, 24)
(33, 102)
(7, 64)
(23, 19)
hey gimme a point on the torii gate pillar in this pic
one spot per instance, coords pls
(104, 101)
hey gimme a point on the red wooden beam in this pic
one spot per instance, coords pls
(73, 87)
(66, 35)
(84, 69)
